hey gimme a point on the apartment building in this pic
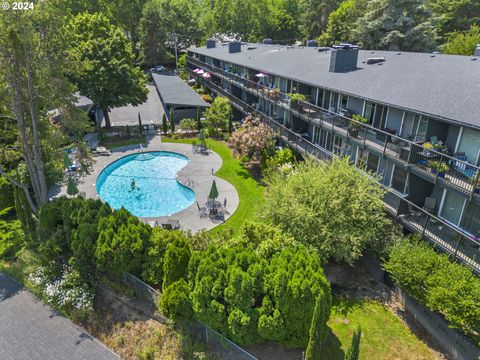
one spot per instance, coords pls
(411, 119)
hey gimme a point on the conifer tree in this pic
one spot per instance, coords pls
(318, 329)
(164, 124)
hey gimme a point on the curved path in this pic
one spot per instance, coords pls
(198, 175)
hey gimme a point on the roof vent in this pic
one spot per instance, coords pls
(251, 47)
(312, 43)
(343, 58)
(267, 41)
(473, 58)
(323, 49)
(211, 43)
(234, 47)
(375, 60)
(477, 50)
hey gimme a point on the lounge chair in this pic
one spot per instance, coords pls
(102, 151)
(171, 225)
(429, 204)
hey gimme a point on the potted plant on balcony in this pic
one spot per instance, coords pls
(274, 93)
(427, 146)
(354, 126)
(295, 101)
(438, 167)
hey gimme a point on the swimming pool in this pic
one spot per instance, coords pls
(145, 184)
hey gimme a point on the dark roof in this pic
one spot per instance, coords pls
(443, 86)
(174, 91)
(31, 330)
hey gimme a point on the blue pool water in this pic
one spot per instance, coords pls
(156, 191)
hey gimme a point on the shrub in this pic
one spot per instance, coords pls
(11, 236)
(152, 267)
(279, 158)
(121, 243)
(188, 125)
(251, 299)
(218, 115)
(252, 139)
(330, 206)
(175, 262)
(448, 288)
(6, 193)
(174, 302)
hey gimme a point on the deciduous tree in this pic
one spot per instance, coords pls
(104, 57)
(332, 207)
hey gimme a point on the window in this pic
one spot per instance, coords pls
(343, 101)
(470, 145)
(369, 111)
(452, 207)
(399, 179)
(334, 102)
(380, 117)
(320, 98)
(337, 145)
(471, 219)
(372, 162)
(326, 99)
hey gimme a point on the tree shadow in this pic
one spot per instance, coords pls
(333, 349)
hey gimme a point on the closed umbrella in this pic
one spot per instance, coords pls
(71, 187)
(213, 193)
(261, 75)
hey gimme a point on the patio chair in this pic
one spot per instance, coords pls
(429, 204)
(202, 210)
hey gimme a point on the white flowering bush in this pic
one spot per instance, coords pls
(66, 290)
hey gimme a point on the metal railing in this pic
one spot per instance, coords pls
(447, 238)
(460, 175)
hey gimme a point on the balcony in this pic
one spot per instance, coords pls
(442, 235)
(461, 175)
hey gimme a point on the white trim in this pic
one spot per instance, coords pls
(363, 107)
(442, 202)
(401, 124)
(388, 113)
(461, 212)
(459, 137)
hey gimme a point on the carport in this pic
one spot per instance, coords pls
(176, 95)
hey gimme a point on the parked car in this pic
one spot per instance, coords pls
(157, 69)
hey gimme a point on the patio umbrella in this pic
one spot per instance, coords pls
(196, 70)
(213, 193)
(71, 187)
(206, 75)
(200, 72)
(261, 75)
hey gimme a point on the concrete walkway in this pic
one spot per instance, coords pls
(31, 330)
(198, 172)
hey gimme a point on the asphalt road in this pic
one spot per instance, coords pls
(31, 330)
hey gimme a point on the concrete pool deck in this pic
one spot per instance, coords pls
(197, 175)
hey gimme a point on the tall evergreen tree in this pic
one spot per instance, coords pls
(396, 25)
(172, 120)
(164, 124)
(318, 329)
(314, 16)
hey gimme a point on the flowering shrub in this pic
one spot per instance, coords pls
(66, 290)
(252, 139)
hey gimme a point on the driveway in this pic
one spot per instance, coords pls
(31, 330)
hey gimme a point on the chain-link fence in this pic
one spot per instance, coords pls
(216, 344)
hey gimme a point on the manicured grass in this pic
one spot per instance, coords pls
(384, 336)
(250, 192)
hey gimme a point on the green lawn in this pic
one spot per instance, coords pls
(384, 336)
(251, 194)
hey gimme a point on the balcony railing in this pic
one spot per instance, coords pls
(437, 165)
(442, 235)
